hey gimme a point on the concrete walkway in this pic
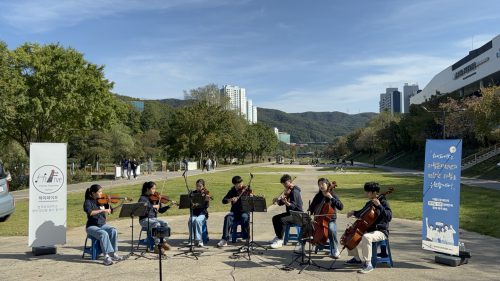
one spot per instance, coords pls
(411, 262)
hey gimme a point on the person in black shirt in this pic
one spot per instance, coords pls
(150, 220)
(293, 201)
(96, 224)
(234, 196)
(325, 195)
(378, 231)
(200, 214)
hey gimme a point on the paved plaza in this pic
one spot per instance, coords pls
(411, 262)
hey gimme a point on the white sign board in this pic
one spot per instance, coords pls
(48, 191)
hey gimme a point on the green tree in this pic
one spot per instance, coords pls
(48, 92)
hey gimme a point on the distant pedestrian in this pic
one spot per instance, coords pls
(134, 167)
(150, 166)
(129, 168)
(209, 164)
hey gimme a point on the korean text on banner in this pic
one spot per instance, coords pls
(48, 191)
(441, 196)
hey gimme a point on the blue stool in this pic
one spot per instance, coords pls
(94, 250)
(318, 248)
(290, 237)
(384, 256)
(235, 234)
(204, 233)
(149, 241)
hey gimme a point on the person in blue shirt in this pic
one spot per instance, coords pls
(150, 220)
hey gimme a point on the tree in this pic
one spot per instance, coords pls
(49, 92)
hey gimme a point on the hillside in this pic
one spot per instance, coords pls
(302, 127)
(313, 126)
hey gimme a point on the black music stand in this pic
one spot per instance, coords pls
(252, 204)
(191, 201)
(132, 210)
(303, 220)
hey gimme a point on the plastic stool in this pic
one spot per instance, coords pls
(384, 256)
(204, 233)
(235, 234)
(94, 250)
(320, 247)
(149, 241)
(290, 237)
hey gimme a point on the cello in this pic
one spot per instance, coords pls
(322, 216)
(368, 215)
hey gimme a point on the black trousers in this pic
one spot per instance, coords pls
(279, 222)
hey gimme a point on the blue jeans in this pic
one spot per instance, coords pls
(198, 226)
(332, 235)
(228, 224)
(107, 235)
(153, 223)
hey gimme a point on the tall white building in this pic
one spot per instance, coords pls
(408, 91)
(249, 111)
(239, 103)
(237, 98)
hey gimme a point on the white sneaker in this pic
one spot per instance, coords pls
(277, 244)
(222, 243)
(108, 260)
(116, 257)
(336, 255)
(298, 248)
(199, 244)
(274, 240)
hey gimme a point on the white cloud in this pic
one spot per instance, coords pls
(362, 94)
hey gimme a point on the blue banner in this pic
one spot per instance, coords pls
(441, 196)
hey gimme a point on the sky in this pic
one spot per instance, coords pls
(290, 55)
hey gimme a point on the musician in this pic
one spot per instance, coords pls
(325, 194)
(200, 214)
(234, 197)
(378, 231)
(96, 224)
(293, 202)
(150, 220)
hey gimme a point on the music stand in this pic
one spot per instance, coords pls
(303, 220)
(191, 201)
(132, 210)
(252, 204)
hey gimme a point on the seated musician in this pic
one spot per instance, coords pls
(326, 195)
(293, 202)
(237, 213)
(96, 224)
(150, 220)
(378, 231)
(200, 214)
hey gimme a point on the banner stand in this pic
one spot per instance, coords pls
(451, 260)
(44, 250)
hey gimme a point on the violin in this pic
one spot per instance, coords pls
(157, 197)
(111, 199)
(285, 194)
(245, 190)
(206, 193)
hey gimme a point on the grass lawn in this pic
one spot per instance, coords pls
(477, 205)
(353, 169)
(477, 211)
(217, 183)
